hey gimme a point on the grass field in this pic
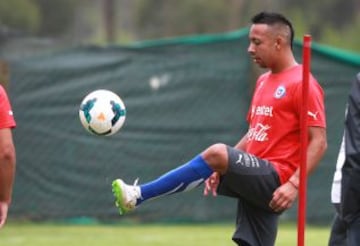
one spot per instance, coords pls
(30, 234)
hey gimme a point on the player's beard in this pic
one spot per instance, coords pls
(259, 62)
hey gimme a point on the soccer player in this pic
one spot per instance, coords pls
(345, 192)
(262, 169)
(7, 155)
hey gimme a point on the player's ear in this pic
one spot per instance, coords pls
(279, 41)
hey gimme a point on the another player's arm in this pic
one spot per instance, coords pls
(317, 146)
(7, 171)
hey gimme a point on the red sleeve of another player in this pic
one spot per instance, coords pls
(6, 114)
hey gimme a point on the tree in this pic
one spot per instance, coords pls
(57, 16)
(163, 18)
(19, 15)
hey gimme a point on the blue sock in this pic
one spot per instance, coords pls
(183, 178)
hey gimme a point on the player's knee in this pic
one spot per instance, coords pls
(216, 150)
(216, 156)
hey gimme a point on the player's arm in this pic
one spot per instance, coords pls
(7, 171)
(241, 145)
(285, 195)
(317, 146)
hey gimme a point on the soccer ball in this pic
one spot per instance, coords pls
(102, 112)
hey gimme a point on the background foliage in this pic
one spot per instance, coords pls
(332, 22)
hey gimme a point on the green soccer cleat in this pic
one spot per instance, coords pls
(125, 195)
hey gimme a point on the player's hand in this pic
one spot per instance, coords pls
(211, 184)
(4, 206)
(283, 197)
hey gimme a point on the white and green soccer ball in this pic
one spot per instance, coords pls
(102, 112)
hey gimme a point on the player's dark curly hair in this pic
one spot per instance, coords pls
(271, 18)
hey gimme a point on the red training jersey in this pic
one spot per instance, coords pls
(274, 118)
(6, 114)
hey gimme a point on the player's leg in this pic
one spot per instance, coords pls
(252, 181)
(353, 232)
(255, 226)
(338, 232)
(183, 178)
(250, 178)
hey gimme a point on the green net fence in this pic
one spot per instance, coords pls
(181, 96)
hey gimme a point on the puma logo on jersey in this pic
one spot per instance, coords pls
(313, 115)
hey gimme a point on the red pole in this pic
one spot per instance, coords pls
(304, 140)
